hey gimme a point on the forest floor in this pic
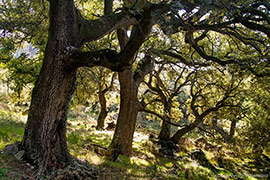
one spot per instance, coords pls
(219, 161)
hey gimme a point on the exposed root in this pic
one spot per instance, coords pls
(77, 170)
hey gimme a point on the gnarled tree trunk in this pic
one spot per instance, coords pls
(44, 139)
(165, 132)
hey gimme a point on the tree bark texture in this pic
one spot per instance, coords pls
(165, 132)
(125, 127)
(129, 83)
(44, 139)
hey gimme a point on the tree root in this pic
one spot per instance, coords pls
(77, 170)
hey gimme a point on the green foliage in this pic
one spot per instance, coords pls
(23, 32)
(3, 173)
(257, 133)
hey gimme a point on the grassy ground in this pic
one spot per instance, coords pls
(146, 162)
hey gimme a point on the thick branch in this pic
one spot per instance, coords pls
(106, 58)
(145, 66)
(259, 74)
(177, 56)
(192, 42)
(138, 36)
(166, 119)
(255, 26)
(91, 30)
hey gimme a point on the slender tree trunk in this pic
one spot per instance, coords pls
(103, 109)
(165, 132)
(125, 127)
(232, 128)
(227, 137)
(44, 138)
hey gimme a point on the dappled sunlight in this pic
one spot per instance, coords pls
(140, 162)
(140, 137)
(143, 164)
(108, 133)
(92, 158)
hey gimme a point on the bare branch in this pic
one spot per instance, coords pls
(166, 119)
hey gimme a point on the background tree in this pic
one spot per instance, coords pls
(167, 83)
(256, 116)
(95, 84)
(208, 95)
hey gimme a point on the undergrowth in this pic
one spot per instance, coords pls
(146, 163)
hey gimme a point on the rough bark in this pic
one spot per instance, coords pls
(129, 83)
(165, 132)
(125, 127)
(108, 7)
(44, 139)
(129, 107)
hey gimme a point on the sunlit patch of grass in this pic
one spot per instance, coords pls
(211, 157)
(91, 157)
(140, 162)
(100, 138)
(11, 129)
(139, 146)
(130, 168)
(145, 163)
(75, 140)
(181, 153)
